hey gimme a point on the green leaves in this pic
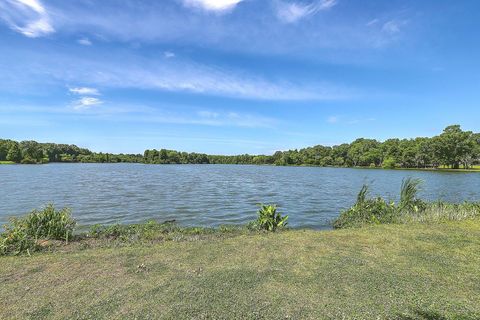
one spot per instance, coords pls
(270, 219)
(362, 195)
(23, 234)
(408, 196)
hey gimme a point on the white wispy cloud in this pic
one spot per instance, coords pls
(158, 114)
(258, 30)
(84, 91)
(84, 42)
(208, 114)
(169, 54)
(180, 75)
(234, 118)
(386, 30)
(121, 70)
(393, 26)
(209, 118)
(29, 17)
(290, 12)
(213, 5)
(372, 22)
(86, 103)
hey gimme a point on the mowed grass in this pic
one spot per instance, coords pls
(414, 271)
(7, 162)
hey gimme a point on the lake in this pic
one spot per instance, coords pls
(209, 195)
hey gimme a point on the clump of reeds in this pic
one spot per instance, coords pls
(409, 209)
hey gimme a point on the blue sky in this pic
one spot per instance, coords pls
(235, 76)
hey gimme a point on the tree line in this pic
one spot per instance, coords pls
(32, 152)
(452, 148)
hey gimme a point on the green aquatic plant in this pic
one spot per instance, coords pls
(270, 219)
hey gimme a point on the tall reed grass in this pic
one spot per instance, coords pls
(409, 209)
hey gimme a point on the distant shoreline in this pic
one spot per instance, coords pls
(472, 170)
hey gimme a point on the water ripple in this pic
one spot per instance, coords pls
(209, 195)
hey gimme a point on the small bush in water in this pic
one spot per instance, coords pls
(269, 218)
(22, 234)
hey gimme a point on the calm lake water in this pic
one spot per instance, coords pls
(209, 195)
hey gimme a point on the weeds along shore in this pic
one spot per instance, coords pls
(50, 229)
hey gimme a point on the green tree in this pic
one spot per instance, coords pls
(364, 152)
(3, 149)
(14, 154)
(456, 147)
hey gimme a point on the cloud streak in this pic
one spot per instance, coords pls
(210, 118)
(85, 91)
(84, 42)
(28, 17)
(260, 27)
(218, 6)
(86, 103)
(169, 55)
(163, 114)
(174, 75)
(291, 12)
(393, 26)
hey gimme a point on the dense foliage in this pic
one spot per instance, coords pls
(25, 234)
(30, 152)
(269, 219)
(453, 148)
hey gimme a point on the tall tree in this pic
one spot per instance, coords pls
(456, 146)
(14, 154)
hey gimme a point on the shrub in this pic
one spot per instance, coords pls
(28, 160)
(16, 240)
(270, 219)
(23, 234)
(366, 211)
(389, 163)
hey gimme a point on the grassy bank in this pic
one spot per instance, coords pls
(6, 162)
(415, 271)
(407, 260)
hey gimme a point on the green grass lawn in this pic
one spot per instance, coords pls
(7, 162)
(415, 271)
